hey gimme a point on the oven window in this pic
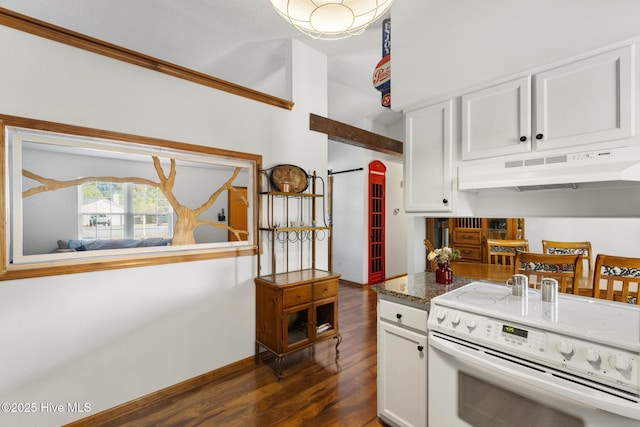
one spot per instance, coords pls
(482, 404)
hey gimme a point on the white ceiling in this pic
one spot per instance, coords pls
(235, 40)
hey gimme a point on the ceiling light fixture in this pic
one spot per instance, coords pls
(331, 19)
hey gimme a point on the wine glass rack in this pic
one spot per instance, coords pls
(292, 222)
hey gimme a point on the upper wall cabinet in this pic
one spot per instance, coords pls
(497, 121)
(428, 159)
(584, 102)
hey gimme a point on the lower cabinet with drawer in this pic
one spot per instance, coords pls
(402, 363)
(295, 310)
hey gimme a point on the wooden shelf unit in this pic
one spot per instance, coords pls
(295, 309)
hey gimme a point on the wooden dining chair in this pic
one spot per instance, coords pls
(504, 251)
(581, 248)
(616, 278)
(566, 269)
(433, 265)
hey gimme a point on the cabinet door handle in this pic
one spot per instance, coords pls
(398, 315)
(420, 348)
(539, 136)
(523, 139)
(445, 201)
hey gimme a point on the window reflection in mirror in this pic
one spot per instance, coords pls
(113, 210)
(74, 197)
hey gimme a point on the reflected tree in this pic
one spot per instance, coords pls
(188, 219)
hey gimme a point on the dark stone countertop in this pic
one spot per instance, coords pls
(417, 289)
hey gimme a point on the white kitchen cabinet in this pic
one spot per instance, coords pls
(428, 158)
(402, 364)
(496, 121)
(587, 101)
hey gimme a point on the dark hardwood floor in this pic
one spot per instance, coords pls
(317, 389)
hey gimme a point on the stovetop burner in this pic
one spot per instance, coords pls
(597, 318)
(574, 315)
(484, 295)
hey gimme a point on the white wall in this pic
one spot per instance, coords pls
(110, 337)
(349, 216)
(396, 231)
(350, 210)
(416, 233)
(611, 236)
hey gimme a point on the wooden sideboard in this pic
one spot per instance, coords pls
(469, 235)
(295, 310)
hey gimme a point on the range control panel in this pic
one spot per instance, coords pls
(613, 366)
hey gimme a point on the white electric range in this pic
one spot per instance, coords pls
(498, 359)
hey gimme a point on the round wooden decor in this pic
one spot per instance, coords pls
(289, 175)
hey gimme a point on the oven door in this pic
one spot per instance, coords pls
(470, 385)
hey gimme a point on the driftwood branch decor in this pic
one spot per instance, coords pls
(187, 219)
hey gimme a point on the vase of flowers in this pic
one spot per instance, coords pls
(444, 274)
(443, 256)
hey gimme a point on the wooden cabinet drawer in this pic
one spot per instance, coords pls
(325, 289)
(467, 237)
(403, 315)
(297, 295)
(470, 253)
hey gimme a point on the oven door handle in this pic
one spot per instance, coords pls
(516, 378)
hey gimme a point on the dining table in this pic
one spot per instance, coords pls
(480, 271)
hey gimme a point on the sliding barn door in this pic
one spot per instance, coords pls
(377, 172)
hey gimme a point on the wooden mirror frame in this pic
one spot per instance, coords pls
(114, 259)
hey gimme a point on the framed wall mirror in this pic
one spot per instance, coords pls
(79, 199)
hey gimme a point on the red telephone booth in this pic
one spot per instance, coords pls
(377, 173)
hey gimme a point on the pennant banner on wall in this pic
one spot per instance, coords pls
(382, 72)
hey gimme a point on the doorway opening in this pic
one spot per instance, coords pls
(237, 209)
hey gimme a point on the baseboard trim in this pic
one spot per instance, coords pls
(165, 393)
(350, 283)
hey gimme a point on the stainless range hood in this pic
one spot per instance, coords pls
(610, 168)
